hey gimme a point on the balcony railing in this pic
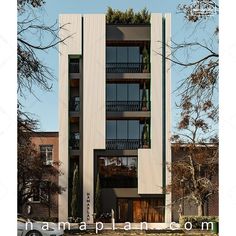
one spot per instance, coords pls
(74, 67)
(129, 144)
(119, 106)
(128, 67)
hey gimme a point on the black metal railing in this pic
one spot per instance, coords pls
(127, 67)
(74, 67)
(119, 106)
(129, 144)
(74, 105)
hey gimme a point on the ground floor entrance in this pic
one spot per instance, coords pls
(140, 210)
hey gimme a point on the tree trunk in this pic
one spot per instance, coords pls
(200, 209)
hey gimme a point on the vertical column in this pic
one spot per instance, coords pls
(71, 28)
(150, 166)
(168, 112)
(94, 116)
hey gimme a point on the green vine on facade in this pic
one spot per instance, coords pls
(114, 16)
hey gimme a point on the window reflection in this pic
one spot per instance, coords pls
(118, 172)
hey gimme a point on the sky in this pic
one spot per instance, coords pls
(45, 106)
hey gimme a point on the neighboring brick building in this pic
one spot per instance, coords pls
(211, 207)
(47, 146)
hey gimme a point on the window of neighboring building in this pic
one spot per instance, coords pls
(118, 172)
(46, 154)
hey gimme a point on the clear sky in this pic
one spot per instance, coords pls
(46, 110)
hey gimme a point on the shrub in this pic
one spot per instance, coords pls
(196, 221)
(114, 16)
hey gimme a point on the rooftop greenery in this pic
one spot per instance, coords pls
(114, 16)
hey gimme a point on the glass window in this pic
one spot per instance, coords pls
(133, 92)
(133, 129)
(111, 92)
(46, 154)
(111, 54)
(111, 129)
(118, 172)
(76, 103)
(122, 92)
(122, 54)
(74, 65)
(122, 129)
(132, 162)
(133, 54)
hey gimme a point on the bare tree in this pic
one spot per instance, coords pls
(32, 72)
(195, 170)
(34, 37)
(195, 166)
(31, 171)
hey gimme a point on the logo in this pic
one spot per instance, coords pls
(204, 8)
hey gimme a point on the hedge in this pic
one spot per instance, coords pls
(196, 221)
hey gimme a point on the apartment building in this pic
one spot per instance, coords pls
(114, 119)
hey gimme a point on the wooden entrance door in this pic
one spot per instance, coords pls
(148, 210)
(123, 210)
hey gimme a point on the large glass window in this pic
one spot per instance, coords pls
(118, 172)
(123, 92)
(121, 54)
(111, 129)
(123, 129)
(133, 54)
(111, 54)
(133, 129)
(111, 92)
(133, 92)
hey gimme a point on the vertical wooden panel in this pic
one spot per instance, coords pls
(94, 115)
(150, 160)
(72, 24)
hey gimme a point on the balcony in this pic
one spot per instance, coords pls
(74, 144)
(119, 106)
(126, 144)
(128, 67)
(74, 67)
(75, 104)
(75, 141)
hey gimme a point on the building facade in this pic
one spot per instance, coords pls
(114, 125)
(46, 145)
